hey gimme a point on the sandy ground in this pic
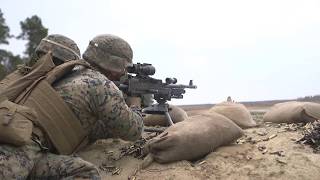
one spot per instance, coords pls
(268, 151)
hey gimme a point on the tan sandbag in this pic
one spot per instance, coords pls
(193, 138)
(177, 114)
(16, 123)
(293, 112)
(236, 112)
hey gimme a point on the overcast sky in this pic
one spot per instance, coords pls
(248, 49)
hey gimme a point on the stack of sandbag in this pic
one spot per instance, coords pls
(293, 112)
(193, 138)
(177, 114)
(236, 112)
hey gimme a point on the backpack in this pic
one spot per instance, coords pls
(33, 92)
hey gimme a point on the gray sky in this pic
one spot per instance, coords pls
(249, 49)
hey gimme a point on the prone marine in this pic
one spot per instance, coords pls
(90, 104)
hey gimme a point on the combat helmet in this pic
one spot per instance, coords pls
(109, 53)
(62, 47)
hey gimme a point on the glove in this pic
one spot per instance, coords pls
(133, 101)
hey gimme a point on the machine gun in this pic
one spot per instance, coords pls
(141, 83)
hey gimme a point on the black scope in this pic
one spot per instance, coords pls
(142, 69)
(171, 80)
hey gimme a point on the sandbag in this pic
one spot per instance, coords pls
(16, 123)
(293, 112)
(177, 114)
(236, 112)
(193, 138)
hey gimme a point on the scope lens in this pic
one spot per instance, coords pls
(142, 69)
(148, 70)
(171, 80)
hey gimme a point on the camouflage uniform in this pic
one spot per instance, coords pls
(52, 166)
(101, 110)
(110, 54)
(17, 162)
(99, 105)
(30, 162)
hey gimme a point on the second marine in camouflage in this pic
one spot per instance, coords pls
(95, 101)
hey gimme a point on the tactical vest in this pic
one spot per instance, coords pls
(34, 90)
(4, 83)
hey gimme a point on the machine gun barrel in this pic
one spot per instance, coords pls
(181, 86)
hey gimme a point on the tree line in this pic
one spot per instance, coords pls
(315, 98)
(32, 31)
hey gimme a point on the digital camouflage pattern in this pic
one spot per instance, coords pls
(17, 163)
(99, 105)
(101, 109)
(61, 47)
(109, 53)
(52, 166)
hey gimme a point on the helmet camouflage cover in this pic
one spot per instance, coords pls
(109, 52)
(61, 47)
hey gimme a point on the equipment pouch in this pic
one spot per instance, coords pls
(16, 123)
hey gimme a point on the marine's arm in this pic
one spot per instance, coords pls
(117, 118)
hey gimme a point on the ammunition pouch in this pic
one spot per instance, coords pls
(16, 123)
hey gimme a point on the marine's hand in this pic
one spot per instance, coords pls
(133, 101)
